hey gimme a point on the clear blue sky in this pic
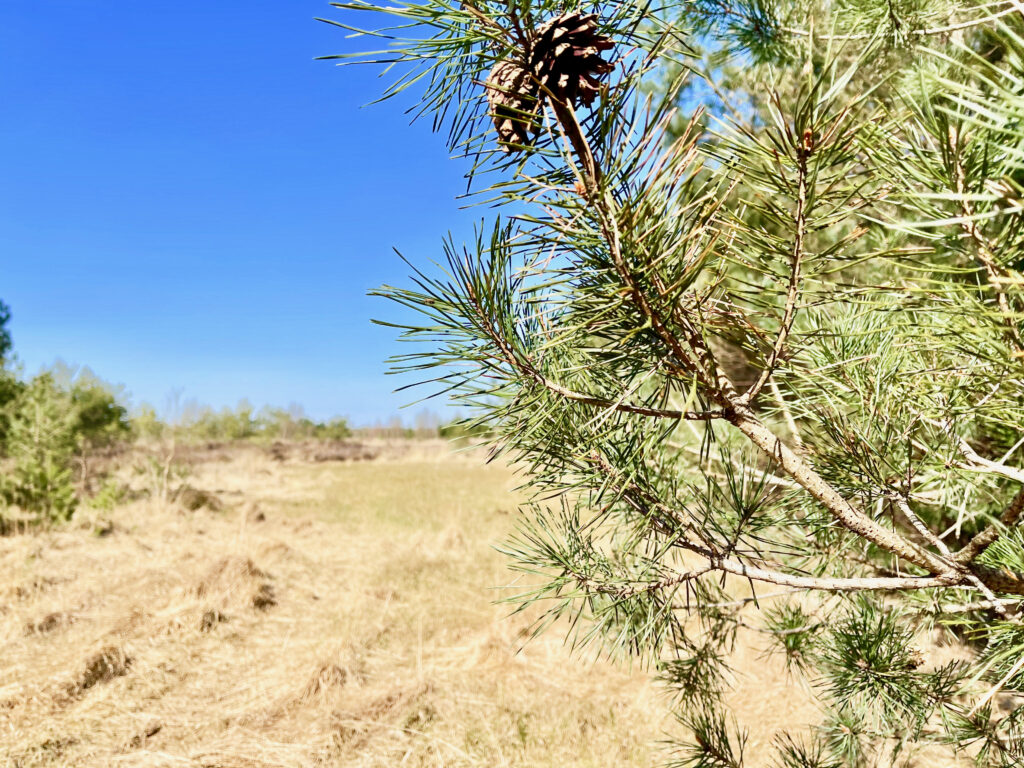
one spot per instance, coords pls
(189, 200)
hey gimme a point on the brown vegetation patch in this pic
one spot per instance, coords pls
(101, 667)
(32, 587)
(400, 707)
(253, 513)
(234, 580)
(50, 748)
(342, 451)
(194, 499)
(326, 678)
(48, 623)
(228, 574)
(150, 729)
(264, 597)
(210, 619)
(103, 528)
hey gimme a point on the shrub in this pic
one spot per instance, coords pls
(41, 441)
(99, 419)
(335, 429)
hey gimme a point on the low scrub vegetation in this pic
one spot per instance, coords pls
(61, 429)
(51, 430)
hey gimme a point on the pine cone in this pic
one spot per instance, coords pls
(564, 62)
(566, 57)
(512, 94)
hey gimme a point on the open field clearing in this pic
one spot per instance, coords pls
(328, 613)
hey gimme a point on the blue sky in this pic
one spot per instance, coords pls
(189, 201)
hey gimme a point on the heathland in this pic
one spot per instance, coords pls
(301, 604)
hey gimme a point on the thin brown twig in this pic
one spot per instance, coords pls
(973, 549)
(918, 524)
(803, 153)
(849, 516)
(980, 605)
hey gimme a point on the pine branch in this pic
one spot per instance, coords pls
(942, 29)
(983, 540)
(738, 414)
(527, 369)
(985, 250)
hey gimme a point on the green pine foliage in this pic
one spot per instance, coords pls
(41, 441)
(50, 425)
(753, 325)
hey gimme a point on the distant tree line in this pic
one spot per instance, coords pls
(243, 422)
(54, 425)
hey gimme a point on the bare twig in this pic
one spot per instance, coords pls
(980, 605)
(977, 463)
(987, 537)
(803, 152)
(998, 686)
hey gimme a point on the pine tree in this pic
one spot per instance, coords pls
(753, 326)
(41, 442)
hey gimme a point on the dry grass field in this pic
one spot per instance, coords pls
(327, 612)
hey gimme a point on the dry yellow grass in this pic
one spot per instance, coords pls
(330, 614)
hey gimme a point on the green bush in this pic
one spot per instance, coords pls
(335, 429)
(5, 334)
(464, 428)
(146, 424)
(110, 494)
(41, 442)
(10, 389)
(45, 425)
(50, 425)
(99, 419)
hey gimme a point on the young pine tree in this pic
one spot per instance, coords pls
(41, 442)
(752, 324)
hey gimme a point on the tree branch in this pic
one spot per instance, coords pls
(720, 389)
(977, 463)
(851, 518)
(530, 371)
(697, 357)
(987, 537)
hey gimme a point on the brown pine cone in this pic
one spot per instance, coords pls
(567, 59)
(564, 63)
(512, 94)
